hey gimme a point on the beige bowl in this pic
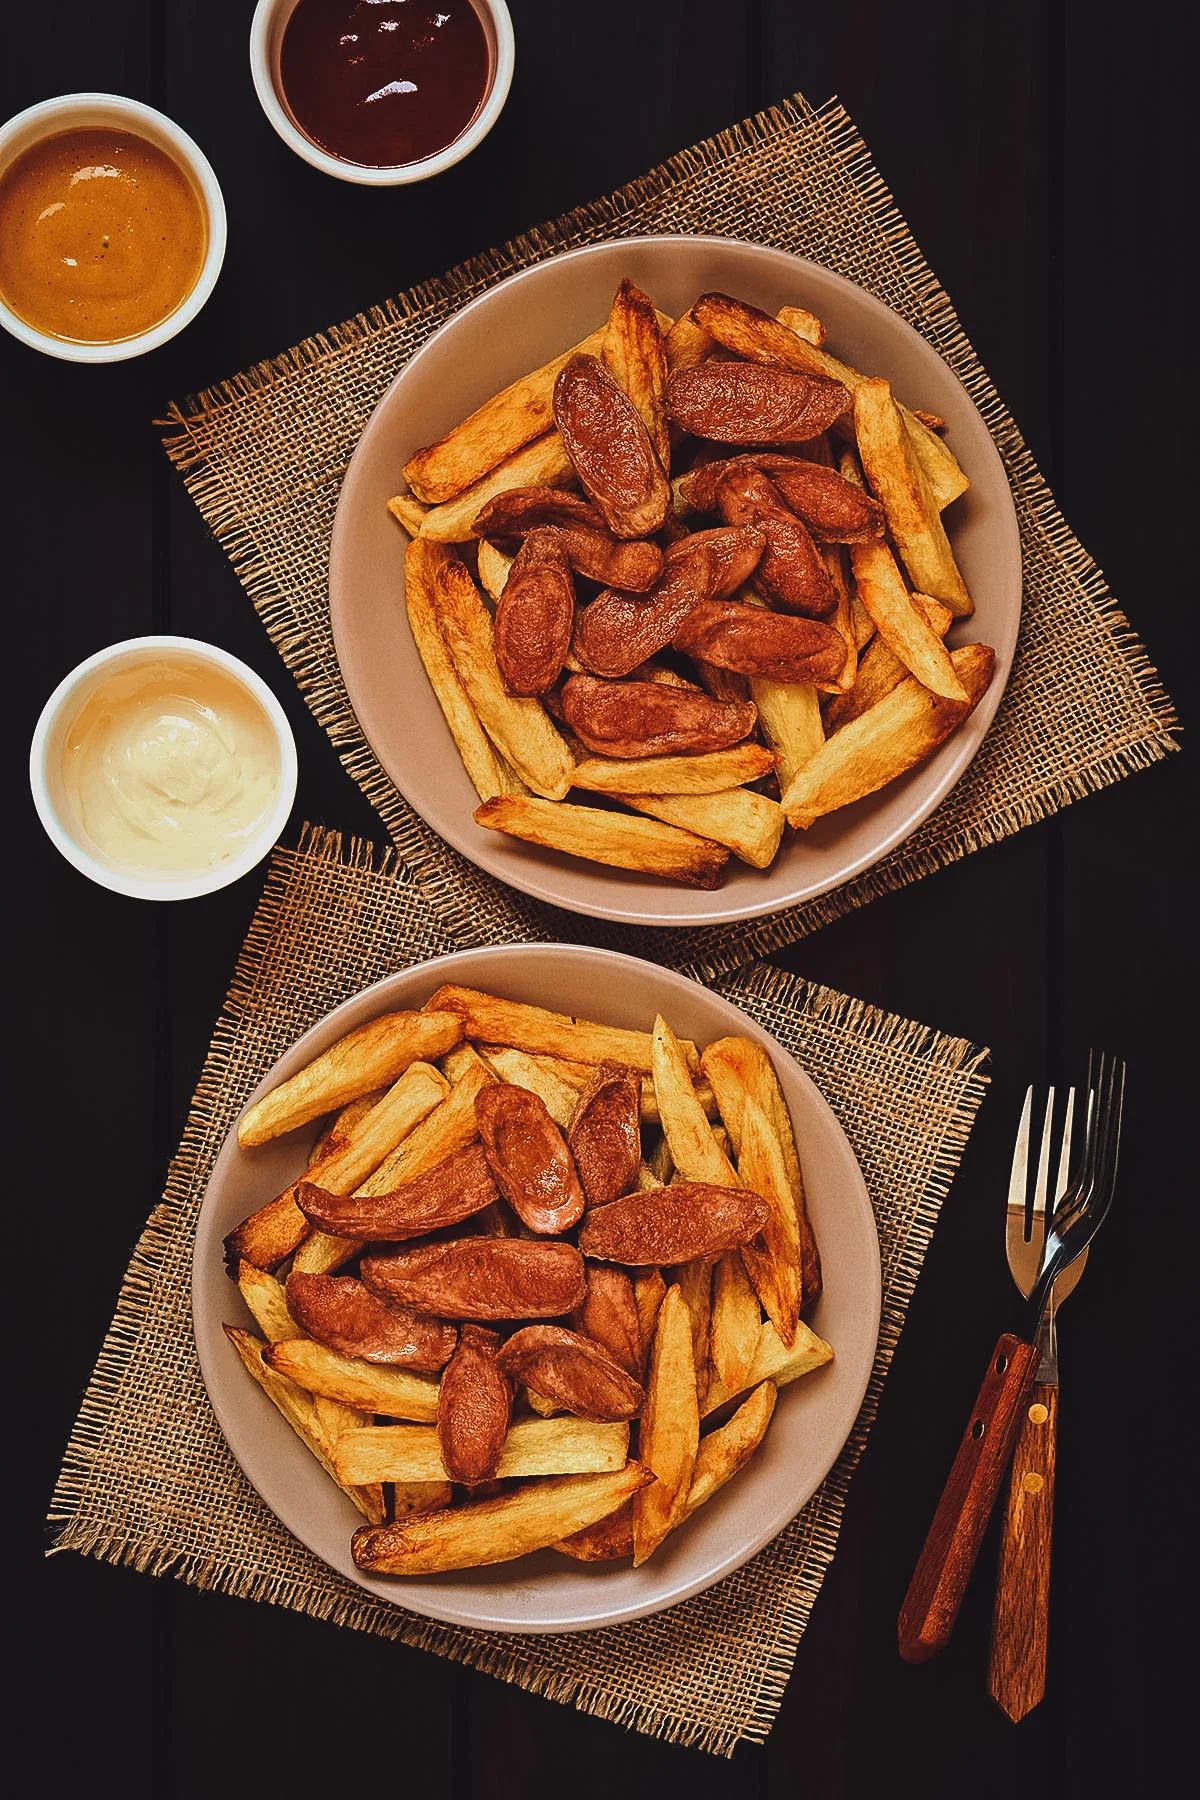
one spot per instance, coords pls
(512, 329)
(812, 1420)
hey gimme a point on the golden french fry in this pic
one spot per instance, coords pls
(409, 511)
(670, 1429)
(412, 1497)
(269, 1235)
(520, 1069)
(336, 1135)
(933, 420)
(729, 1448)
(635, 357)
(774, 1361)
(695, 1282)
(898, 480)
(538, 1403)
(749, 824)
(687, 344)
(542, 463)
(298, 1409)
(493, 568)
(737, 1067)
(333, 1416)
(489, 1019)
(806, 325)
(371, 1056)
(836, 560)
(789, 713)
(521, 729)
(709, 772)
(761, 339)
(499, 1530)
(267, 1302)
(659, 1161)
(648, 1291)
(494, 431)
(898, 732)
(772, 1260)
(735, 1321)
(605, 1541)
(370, 1387)
(861, 622)
(613, 838)
(487, 769)
(559, 1446)
(694, 1151)
(879, 671)
(460, 1061)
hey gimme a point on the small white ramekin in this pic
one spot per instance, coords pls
(72, 112)
(46, 776)
(266, 36)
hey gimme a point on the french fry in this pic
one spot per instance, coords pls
(771, 1260)
(298, 1409)
(510, 419)
(695, 1282)
(613, 838)
(879, 671)
(737, 1067)
(606, 1541)
(762, 339)
(522, 1070)
(371, 1056)
(708, 772)
(559, 1446)
(460, 1061)
(934, 421)
(409, 511)
(489, 1019)
(773, 1361)
(538, 1403)
(370, 1387)
(687, 344)
(749, 824)
(635, 357)
(694, 1151)
(648, 1291)
(898, 732)
(735, 1321)
(862, 622)
(336, 1135)
(267, 1302)
(729, 1448)
(898, 480)
(670, 1428)
(659, 1161)
(333, 1416)
(269, 1235)
(487, 769)
(493, 568)
(542, 463)
(412, 1497)
(806, 325)
(789, 713)
(520, 728)
(835, 558)
(499, 1530)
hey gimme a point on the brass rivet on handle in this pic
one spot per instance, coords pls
(1038, 1413)
(1032, 1483)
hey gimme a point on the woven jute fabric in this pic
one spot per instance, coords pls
(264, 455)
(149, 1480)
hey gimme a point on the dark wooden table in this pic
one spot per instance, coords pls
(1037, 151)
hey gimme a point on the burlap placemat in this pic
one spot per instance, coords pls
(149, 1481)
(264, 455)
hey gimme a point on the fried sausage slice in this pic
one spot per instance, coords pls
(446, 1194)
(619, 631)
(609, 1316)
(534, 615)
(610, 449)
(604, 1135)
(574, 1372)
(590, 547)
(641, 718)
(687, 1222)
(474, 1403)
(792, 571)
(765, 645)
(481, 1279)
(529, 1158)
(835, 510)
(338, 1311)
(754, 403)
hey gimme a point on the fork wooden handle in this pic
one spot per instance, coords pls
(1017, 1664)
(941, 1575)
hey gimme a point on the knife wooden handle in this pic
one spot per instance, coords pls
(1017, 1664)
(944, 1568)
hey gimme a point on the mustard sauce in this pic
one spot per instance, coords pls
(102, 236)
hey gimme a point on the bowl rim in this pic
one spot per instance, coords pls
(56, 114)
(535, 876)
(393, 174)
(457, 965)
(137, 887)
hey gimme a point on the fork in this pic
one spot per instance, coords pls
(1017, 1660)
(940, 1579)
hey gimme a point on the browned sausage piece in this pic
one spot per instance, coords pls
(534, 615)
(605, 1135)
(449, 1192)
(481, 1278)
(589, 546)
(754, 403)
(617, 632)
(474, 1403)
(792, 571)
(765, 645)
(686, 1222)
(517, 511)
(339, 1312)
(572, 1371)
(610, 449)
(640, 718)
(835, 510)
(529, 1158)
(609, 1316)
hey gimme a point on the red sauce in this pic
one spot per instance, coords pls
(384, 82)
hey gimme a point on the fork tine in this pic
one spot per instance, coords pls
(1037, 1225)
(1018, 1196)
(1064, 1156)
